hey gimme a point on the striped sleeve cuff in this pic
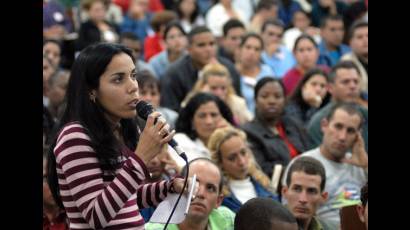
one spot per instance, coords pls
(138, 164)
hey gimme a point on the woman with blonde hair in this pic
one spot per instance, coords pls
(216, 80)
(242, 176)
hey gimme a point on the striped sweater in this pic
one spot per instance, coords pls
(92, 198)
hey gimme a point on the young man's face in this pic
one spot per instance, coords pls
(203, 48)
(333, 32)
(346, 85)
(272, 34)
(304, 195)
(233, 39)
(340, 133)
(360, 41)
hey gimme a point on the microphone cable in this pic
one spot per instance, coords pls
(183, 189)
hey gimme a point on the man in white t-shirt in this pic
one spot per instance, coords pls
(346, 172)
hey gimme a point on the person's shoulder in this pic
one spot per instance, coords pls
(154, 226)
(181, 62)
(226, 62)
(71, 127)
(266, 70)
(285, 50)
(348, 56)
(157, 58)
(252, 127)
(215, 9)
(322, 113)
(291, 73)
(312, 153)
(237, 100)
(224, 212)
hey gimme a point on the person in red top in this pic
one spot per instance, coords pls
(306, 53)
(274, 136)
(155, 6)
(154, 44)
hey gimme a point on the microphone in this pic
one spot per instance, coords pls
(144, 109)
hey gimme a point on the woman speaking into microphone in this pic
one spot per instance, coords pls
(97, 162)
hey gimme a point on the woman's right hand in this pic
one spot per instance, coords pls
(312, 98)
(153, 138)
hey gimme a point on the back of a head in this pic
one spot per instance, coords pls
(263, 214)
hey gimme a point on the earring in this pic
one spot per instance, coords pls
(92, 97)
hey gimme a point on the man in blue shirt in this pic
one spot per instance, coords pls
(331, 48)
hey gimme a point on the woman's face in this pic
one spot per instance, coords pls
(250, 51)
(317, 84)
(235, 158)
(118, 89)
(176, 41)
(48, 70)
(205, 119)
(187, 7)
(53, 52)
(270, 100)
(97, 11)
(218, 86)
(306, 54)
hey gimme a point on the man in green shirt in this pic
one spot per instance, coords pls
(205, 212)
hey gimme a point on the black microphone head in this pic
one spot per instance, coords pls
(144, 109)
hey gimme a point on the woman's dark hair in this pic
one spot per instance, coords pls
(264, 81)
(186, 114)
(304, 36)
(48, 124)
(251, 35)
(194, 14)
(85, 76)
(172, 24)
(297, 97)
